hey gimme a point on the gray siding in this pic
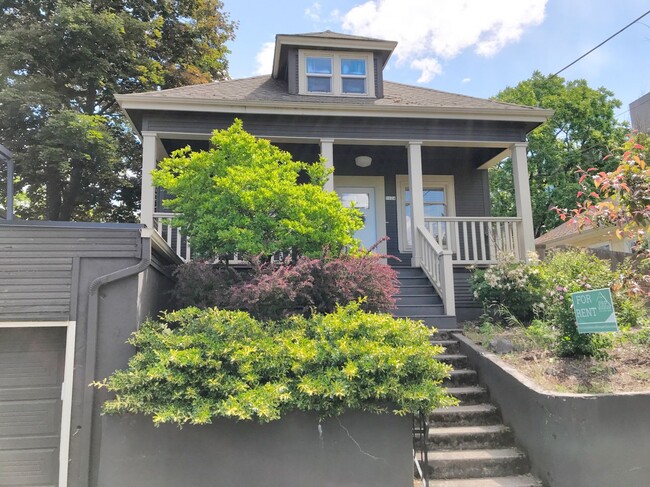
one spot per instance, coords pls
(31, 372)
(379, 77)
(37, 268)
(339, 127)
(293, 74)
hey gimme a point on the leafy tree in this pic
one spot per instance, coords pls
(62, 62)
(619, 198)
(246, 196)
(580, 133)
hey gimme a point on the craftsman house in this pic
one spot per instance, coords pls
(413, 159)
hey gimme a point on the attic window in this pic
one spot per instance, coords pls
(332, 73)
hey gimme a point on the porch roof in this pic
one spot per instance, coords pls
(263, 94)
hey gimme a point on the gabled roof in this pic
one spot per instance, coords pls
(328, 40)
(264, 90)
(328, 34)
(567, 230)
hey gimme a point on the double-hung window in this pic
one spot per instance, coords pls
(331, 73)
(319, 74)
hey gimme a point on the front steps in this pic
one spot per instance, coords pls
(468, 445)
(417, 299)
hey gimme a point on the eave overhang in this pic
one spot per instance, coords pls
(134, 104)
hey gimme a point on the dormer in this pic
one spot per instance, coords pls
(331, 64)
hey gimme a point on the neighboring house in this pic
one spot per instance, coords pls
(413, 159)
(568, 235)
(640, 113)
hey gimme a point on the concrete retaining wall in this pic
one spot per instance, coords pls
(573, 440)
(359, 449)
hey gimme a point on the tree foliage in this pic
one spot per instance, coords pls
(619, 198)
(194, 365)
(580, 133)
(62, 63)
(247, 196)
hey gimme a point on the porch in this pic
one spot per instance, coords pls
(430, 198)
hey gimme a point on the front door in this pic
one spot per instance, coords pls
(363, 199)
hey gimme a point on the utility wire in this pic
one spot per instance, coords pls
(606, 40)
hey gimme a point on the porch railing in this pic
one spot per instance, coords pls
(173, 236)
(476, 240)
(437, 265)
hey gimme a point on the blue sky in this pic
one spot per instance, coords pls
(473, 47)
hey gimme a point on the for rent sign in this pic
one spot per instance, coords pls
(594, 311)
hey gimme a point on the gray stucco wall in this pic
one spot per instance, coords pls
(48, 271)
(572, 440)
(355, 450)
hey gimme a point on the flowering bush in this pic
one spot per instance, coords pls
(194, 365)
(276, 290)
(576, 270)
(543, 290)
(511, 284)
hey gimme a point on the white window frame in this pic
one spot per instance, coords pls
(66, 387)
(337, 77)
(402, 182)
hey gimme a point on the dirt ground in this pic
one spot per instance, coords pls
(626, 370)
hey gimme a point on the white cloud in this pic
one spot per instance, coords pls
(313, 12)
(466, 80)
(264, 58)
(429, 30)
(429, 68)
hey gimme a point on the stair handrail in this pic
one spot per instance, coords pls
(420, 438)
(437, 264)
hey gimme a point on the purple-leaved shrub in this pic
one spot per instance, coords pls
(273, 291)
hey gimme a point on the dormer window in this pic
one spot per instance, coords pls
(334, 73)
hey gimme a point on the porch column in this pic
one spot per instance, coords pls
(522, 198)
(152, 152)
(327, 151)
(417, 201)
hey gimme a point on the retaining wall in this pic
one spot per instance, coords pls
(572, 440)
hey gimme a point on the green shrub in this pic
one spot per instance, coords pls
(541, 334)
(510, 284)
(564, 273)
(245, 195)
(193, 365)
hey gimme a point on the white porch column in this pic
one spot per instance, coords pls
(417, 201)
(327, 151)
(152, 152)
(522, 198)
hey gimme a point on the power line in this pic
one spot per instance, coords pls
(606, 40)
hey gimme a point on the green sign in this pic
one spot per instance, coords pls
(594, 311)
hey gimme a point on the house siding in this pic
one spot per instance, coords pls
(38, 266)
(317, 127)
(293, 74)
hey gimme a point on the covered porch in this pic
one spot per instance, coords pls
(429, 197)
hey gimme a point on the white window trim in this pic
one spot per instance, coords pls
(337, 77)
(402, 182)
(66, 387)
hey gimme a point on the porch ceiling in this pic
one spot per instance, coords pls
(344, 154)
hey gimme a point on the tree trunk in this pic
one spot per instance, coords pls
(52, 194)
(70, 196)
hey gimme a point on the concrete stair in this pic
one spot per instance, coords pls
(468, 445)
(417, 299)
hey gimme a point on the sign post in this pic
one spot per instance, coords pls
(594, 311)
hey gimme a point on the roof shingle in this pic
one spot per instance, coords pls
(267, 89)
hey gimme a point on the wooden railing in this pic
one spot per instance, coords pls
(173, 236)
(476, 240)
(437, 265)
